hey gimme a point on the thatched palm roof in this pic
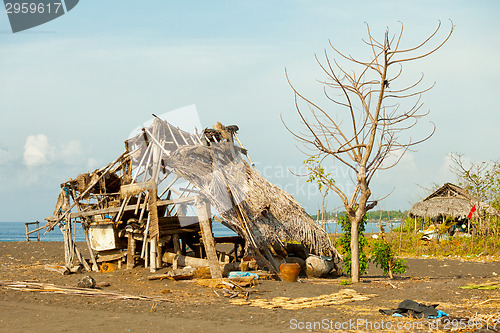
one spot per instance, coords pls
(448, 200)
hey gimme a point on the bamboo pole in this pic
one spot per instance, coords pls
(152, 255)
(247, 155)
(144, 240)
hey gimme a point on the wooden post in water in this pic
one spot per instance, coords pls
(28, 232)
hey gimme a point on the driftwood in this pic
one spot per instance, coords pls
(176, 274)
(243, 266)
(47, 287)
(63, 270)
(172, 258)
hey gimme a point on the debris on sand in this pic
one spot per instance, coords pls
(287, 303)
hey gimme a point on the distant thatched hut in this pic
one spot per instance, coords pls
(448, 201)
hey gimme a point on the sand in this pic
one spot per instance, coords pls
(192, 308)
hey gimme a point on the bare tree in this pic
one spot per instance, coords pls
(372, 123)
(482, 182)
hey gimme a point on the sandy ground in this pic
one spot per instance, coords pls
(193, 308)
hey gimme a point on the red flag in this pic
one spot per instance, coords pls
(472, 210)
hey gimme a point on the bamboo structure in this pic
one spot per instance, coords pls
(136, 207)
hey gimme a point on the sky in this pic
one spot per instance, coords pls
(72, 90)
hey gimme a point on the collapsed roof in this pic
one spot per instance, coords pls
(209, 166)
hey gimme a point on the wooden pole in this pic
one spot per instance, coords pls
(145, 239)
(82, 260)
(202, 209)
(152, 255)
(247, 155)
(67, 256)
(95, 267)
(130, 251)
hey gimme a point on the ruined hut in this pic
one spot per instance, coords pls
(133, 209)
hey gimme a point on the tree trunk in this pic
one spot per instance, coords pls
(354, 250)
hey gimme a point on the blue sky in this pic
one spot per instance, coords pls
(74, 88)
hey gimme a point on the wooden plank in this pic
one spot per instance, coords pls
(159, 203)
(182, 260)
(110, 257)
(63, 270)
(230, 239)
(203, 209)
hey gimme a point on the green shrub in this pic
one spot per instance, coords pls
(344, 245)
(383, 257)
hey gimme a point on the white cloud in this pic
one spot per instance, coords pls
(39, 150)
(36, 150)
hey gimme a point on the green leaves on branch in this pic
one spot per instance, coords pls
(317, 174)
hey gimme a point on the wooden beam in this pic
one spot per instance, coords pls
(203, 210)
(127, 208)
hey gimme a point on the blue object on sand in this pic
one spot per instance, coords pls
(242, 274)
(439, 315)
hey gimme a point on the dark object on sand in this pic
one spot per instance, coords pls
(86, 282)
(415, 310)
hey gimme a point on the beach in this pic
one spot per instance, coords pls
(188, 307)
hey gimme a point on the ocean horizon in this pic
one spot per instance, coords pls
(16, 231)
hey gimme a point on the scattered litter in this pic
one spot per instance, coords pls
(483, 286)
(47, 287)
(242, 274)
(415, 310)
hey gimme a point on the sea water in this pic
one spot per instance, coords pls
(16, 231)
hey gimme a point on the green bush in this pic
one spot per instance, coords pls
(383, 257)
